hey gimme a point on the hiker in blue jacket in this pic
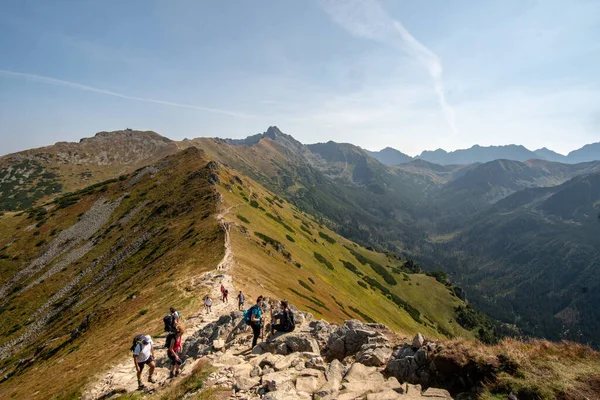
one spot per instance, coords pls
(256, 319)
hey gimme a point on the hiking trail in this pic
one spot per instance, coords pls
(122, 378)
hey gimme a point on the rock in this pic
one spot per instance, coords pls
(246, 382)
(242, 370)
(321, 331)
(404, 351)
(436, 394)
(421, 357)
(374, 356)
(361, 379)
(348, 339)
(218, 344)
(334, 375)
(308, 384)
(387, 394)
(283, 363)
(257, 371)
(291, 343)
(335, 371)
(269, 360)
(418, 341)
(275, 380)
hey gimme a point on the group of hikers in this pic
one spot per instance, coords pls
(282, 320)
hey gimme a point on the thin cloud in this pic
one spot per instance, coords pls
(367, 19)
(74, 85)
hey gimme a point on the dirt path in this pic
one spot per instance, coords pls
(122, 377)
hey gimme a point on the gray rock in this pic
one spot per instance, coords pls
(421, 357)
(307, 384)
(257, 371)
(348, 339)
(374, 356)
(291, 343)
(246, 382)
(418, 341)
(387, 394)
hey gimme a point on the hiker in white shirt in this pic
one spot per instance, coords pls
(208, 304)
(144, 354)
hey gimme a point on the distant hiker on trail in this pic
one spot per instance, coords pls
(285, 317)
(208, 304)
(222, 290)
(255, 319)
(174, 344)
(143, 353)
(225, 296)
(241, 300)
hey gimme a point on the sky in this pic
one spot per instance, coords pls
(413, 75)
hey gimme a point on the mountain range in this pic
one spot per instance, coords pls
(112, 228)
(482, 154)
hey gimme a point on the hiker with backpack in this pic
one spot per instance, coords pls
(208, 304)
(173, 343)
(225, 296)
(172, 320)
(253, 317)
(222, 290)
(285, 317)
(143, 354)
(241, 300)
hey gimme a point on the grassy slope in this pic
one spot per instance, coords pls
(158, 274)
(261, 269)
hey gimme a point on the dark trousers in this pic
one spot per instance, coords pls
(256, 332)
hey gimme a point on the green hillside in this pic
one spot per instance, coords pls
(93, 267)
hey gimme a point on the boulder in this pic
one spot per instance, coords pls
(321, 331)
(435, 393)
(307, 384)
(418, 341)
(275, 380)
(334, 375)
(348, 339)
(387, 394)
(421, 357)
(226, 328)
(372, 355)
(218, 344)
(291, 343)
(361, 379)
(246, 382)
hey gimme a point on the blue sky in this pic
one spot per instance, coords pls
(413, 75)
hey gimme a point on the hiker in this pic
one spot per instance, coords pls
(222, 290)
(208, 304)
(176, 315)
(143, 353)
(174, 344)
(256, 319)
(241, 300)
(171, 320)
(225, 296)
(285, 317)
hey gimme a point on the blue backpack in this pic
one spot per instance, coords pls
(248, 314)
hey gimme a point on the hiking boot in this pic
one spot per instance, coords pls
(176, 373)
(151, 380)
(141, 386)
(171, 375)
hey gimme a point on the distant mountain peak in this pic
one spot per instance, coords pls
(389, 156)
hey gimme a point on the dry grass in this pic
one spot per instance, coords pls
(533, 369)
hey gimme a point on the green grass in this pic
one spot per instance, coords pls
(323, 260)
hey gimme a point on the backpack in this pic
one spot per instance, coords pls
(136, 340)
(291, 323)
(169, 322)
(248, 314)
(225, 292)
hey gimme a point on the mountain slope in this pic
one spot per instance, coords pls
(39, 174)
(589, 152)
(533, 258)
(89, 270)
(549, 155)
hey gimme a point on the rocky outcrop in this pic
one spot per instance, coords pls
(413, 363)
(222, 331)
(349, 339)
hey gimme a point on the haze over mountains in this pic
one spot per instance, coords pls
(481, 154)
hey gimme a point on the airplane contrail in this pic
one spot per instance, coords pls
(367, 19)
(74, 85)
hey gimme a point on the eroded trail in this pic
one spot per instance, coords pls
(121, 378)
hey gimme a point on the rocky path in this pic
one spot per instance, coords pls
(122, 378)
